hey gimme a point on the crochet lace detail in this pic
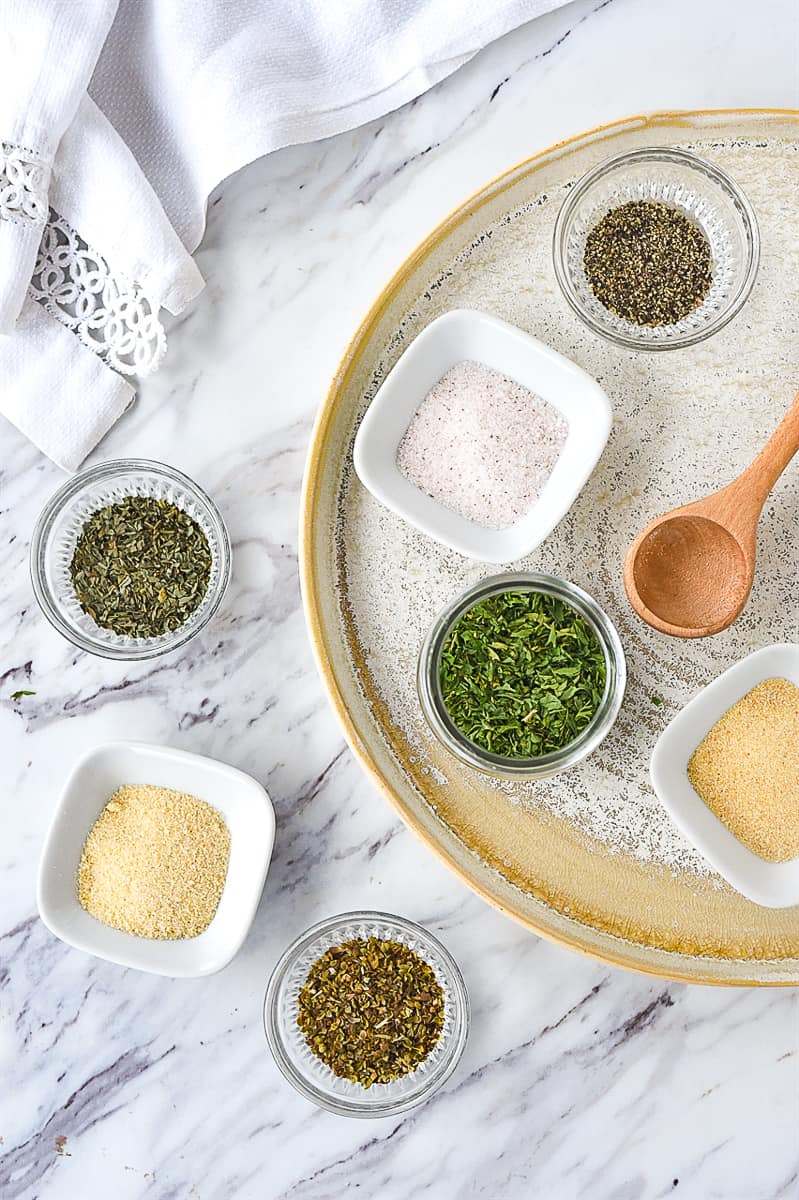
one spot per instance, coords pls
(110, 313)
(23, 185)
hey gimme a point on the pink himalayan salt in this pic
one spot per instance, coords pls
(482, 445)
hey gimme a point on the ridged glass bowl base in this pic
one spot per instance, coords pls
(312, 1077)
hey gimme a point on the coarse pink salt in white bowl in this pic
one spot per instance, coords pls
(481, 436)
(482, 444)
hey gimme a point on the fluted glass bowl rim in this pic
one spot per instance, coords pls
(692, 164)
(374, 1101)
(431, 700)
(106, 472)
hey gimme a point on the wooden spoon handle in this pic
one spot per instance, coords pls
(749, 491)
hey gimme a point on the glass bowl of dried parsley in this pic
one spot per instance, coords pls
(656, 249)
(522, 676)
(366, 1014)
(130, 559)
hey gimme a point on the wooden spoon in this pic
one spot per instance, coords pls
(689, 573)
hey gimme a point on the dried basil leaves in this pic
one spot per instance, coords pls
(141, 567)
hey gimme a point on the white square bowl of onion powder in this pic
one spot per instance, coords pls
(481, 436)
(156, 858)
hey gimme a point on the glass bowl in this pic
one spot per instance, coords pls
(313, 1078)
(57, 531)
(595, 732)
(706, 194)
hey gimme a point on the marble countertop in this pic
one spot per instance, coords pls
(579, 1080)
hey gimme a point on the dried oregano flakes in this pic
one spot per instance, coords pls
(371, 1009)
(141, 567)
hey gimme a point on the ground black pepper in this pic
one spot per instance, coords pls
(648, 263)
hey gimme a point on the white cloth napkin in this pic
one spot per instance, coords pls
(184, 93)
(39, 363)
(50, 48)
(100, 189)
(250, 77)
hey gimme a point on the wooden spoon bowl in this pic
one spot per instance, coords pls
(689, 576)
(689, 573)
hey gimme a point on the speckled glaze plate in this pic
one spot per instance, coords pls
(588, 858)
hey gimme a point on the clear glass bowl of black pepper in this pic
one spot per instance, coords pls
(572, 752)
(59, 527)
(679, 180)
(311, 1077)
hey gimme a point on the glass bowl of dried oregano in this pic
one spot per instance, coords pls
(366, 1014)
(656, 248)
(130, 559)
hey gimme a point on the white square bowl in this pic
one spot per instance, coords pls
(453, 338)
(248, 814)
(773, 885)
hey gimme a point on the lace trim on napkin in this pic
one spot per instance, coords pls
(109, 313)
(23, 185)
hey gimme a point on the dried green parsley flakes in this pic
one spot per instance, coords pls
(141, 567)
(521, 674)
(371, 1009)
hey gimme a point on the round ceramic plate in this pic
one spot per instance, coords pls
(588, 858)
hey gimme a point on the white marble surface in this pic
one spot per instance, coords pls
(579, 1080)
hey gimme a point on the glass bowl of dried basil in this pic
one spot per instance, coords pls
(656, 249)
(522, 676)
(130, 559)
(366, 1014)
